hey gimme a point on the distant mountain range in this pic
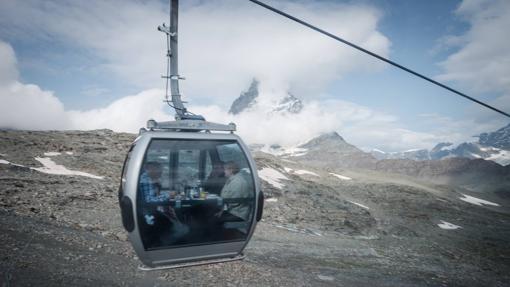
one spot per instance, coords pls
(494, 146)
(330, 151)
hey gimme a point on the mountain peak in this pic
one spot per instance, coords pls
(330, 138)
(290, 104)
(287, 103)
(330, 149)
(246, 99)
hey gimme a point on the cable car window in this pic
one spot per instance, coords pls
(194, 192)
(188, 166)
(124, 167)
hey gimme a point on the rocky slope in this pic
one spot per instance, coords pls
(331, 150)
(322, 226)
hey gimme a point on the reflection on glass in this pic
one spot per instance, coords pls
(194, 192)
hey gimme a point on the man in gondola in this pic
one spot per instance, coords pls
(236, 187)
(216, 179)
(159, 219)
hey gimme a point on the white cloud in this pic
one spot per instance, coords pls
(483, 61)
(358, 124)
(25, 106)
(127, 114)
(223, 44)
(8, 69)
(28, 107)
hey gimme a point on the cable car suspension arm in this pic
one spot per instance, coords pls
(172, 71)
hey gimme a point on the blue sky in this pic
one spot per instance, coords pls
(92, 56)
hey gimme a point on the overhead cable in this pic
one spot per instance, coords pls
(377, 56)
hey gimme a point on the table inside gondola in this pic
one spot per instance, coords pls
(190, 202)
(188, 209)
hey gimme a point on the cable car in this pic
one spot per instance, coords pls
(189, 192)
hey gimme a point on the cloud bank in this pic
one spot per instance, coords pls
(482, 61)
(26, 106)
(222, 44)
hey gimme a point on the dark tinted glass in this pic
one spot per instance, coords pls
(194, 192)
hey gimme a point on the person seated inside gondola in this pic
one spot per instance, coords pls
(161, 223)
(216, 179)
(236, 187)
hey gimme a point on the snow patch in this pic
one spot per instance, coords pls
(448, 225)
(287, 169)
(296, 151)
(3, 154)
(325, 278)
(2, 161)
(272, 199)
(272, 177)
(302, 171)
(50, 167)
(502, 157)
(295, 229)
(476, 201)
(359, 204)
(282, 151)
(52, 153)
(342, 177)
(475, 155)
(69, 152)
(298, 154)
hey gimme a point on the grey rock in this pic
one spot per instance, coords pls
(246, 99)
(331, 150)
(499, 138)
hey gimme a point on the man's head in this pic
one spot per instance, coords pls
(153, 169)
(218, 169)
(231, 168)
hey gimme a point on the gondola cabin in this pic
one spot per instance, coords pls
(189, 195)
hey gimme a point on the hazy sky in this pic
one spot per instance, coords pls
(97, 64)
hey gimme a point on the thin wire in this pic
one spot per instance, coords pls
(377, 56)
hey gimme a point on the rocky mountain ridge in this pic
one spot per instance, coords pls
(330, 150)
(499, 139)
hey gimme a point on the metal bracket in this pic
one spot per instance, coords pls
(190, 125)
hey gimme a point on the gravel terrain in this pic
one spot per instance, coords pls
(317, 230)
